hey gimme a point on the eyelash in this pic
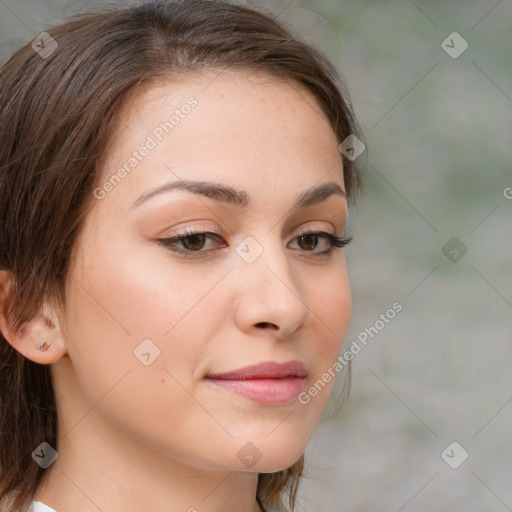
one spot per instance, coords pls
(335, 242)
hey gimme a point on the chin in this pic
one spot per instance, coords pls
(268, 457)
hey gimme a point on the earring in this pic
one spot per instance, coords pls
(44, 346)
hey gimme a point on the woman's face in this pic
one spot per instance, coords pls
(146, 323)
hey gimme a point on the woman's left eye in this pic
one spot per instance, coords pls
(190, 243)
(332, 241)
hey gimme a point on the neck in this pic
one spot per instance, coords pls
(102, 470)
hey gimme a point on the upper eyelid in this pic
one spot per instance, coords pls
(203, 228)
(191, 232)
(194, 229)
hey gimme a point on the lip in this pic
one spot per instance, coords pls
(266, 383)
(266, 370)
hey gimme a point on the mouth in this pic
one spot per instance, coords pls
(266, 383)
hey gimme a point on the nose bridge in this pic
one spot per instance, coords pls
(266, 259)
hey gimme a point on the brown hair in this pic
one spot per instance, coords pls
(57, 115)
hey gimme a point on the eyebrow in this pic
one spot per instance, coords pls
(239, 198)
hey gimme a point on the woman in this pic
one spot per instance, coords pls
(174, 189)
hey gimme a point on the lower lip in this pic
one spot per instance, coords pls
(264, 391)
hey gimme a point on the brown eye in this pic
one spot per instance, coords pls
(189, 243)
(194, 242)
(310, 241)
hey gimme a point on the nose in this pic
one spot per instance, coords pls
(270, 294)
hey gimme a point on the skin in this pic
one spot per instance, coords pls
(160, 437)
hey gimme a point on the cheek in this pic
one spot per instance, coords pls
(119, 310)
(331, 306)
(117, 303)
(141, 295)
(330, 301)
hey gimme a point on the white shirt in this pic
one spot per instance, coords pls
(38, 506)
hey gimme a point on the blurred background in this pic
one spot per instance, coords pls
(427, 425)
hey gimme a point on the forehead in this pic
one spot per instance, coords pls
(224, 88)
(236, 127)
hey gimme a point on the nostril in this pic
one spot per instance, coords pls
(266, 324)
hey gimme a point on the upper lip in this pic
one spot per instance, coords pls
(266, 370)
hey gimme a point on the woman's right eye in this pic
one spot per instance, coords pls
(190, 242)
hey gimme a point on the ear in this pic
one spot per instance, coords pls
(44, 326)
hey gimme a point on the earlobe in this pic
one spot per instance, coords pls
(38, 339)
